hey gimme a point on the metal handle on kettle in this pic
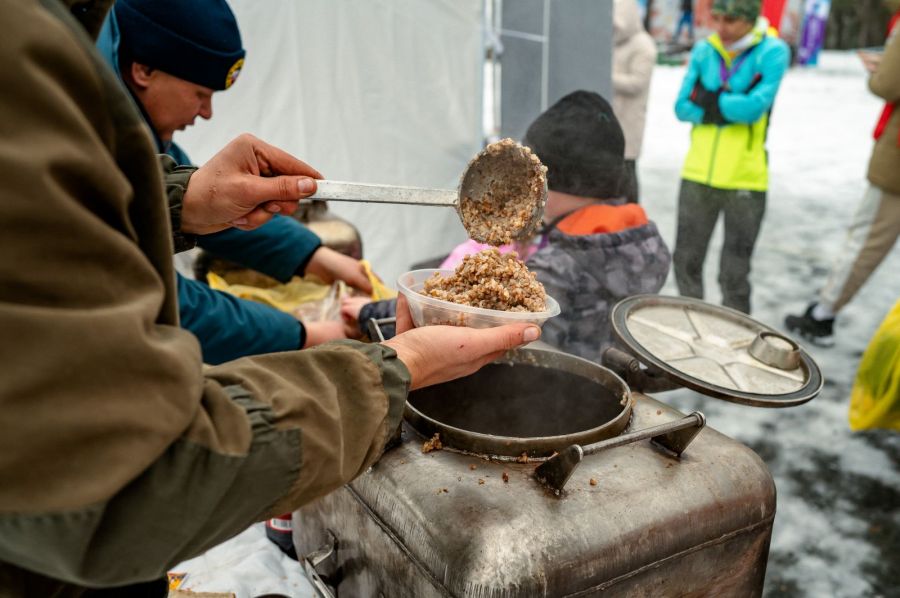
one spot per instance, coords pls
(313, 559)
(674, 436)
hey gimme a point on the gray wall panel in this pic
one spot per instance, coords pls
(526, 16)
(521, 95)
(578, 56)
(580, 47)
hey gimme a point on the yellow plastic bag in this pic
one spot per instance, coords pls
(307, 298)
(379, 289)
(286, 297)
(875, 399)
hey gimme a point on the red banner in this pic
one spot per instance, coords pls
(773, 10)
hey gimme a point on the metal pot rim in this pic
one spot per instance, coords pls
(535, 447)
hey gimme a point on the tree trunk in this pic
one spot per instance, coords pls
(856, 24)
(863, 14)
(873, 17)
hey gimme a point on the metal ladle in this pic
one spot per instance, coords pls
(504, 165)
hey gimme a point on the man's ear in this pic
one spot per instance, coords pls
(141, 74)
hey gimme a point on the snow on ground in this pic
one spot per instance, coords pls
(837, 529)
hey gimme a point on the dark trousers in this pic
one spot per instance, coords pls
(628, 186)
(698, 211)
(686, 20)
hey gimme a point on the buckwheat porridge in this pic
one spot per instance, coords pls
(505, 195)
(490, 280)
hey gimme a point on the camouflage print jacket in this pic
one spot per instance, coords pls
(120, 453)
(589, 273)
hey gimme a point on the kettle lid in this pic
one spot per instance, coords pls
(716, 351)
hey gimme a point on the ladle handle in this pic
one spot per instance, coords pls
(364, 192)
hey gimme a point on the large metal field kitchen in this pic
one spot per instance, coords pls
(556, 476)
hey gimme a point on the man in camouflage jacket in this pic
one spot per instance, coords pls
(120, 454)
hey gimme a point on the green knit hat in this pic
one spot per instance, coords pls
(745, 9)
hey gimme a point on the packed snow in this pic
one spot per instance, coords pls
(837, 528)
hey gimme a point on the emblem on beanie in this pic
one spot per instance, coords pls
(233, 72)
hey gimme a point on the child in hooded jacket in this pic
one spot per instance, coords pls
(594, 249)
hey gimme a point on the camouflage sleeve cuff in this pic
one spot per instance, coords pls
(395, 378)
(176, 179)
(396, 382)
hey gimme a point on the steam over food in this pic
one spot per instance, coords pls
(490, 280)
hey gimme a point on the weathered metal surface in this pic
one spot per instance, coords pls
(707, 348)
(533, 401)
(447, 524)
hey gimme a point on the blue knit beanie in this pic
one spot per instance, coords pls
(195, 40)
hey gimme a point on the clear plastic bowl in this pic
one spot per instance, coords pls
(428, 310)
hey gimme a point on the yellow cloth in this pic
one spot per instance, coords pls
(875, 399)
(379, 289)
(293, 295)
(286, 297)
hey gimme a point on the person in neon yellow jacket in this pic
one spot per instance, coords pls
(727, 93)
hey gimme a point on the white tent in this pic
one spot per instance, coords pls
(379, 91)
(393, 91)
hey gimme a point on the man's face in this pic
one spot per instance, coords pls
(171, 103)
(730, 28)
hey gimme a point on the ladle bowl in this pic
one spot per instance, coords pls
(497, 176)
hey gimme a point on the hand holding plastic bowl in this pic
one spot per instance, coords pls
(427, 311)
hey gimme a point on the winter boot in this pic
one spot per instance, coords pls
(819, 332)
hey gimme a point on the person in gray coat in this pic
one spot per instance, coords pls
(634, 55)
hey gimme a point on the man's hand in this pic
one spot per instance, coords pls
(350, 309)
(331, 265)
(243, 186)
(435, 354)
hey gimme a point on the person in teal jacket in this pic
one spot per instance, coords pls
(727, 94)
(172, 57)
